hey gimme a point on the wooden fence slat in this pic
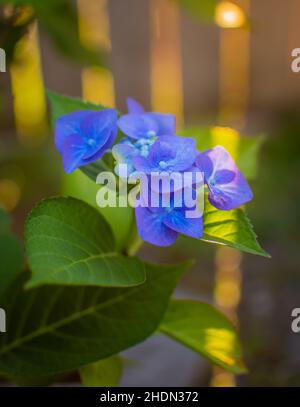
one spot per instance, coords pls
(200, 64)
(130, 60)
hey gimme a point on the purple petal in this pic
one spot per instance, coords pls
(228, 188)
(134, 107)
(151, 228)
(73, 153)
(224, 176)
(204, 163)
(177, 221)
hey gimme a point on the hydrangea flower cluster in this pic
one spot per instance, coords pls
(150, 145)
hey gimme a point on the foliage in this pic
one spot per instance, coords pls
(57, 18)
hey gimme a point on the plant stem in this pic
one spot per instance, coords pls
(135, 246)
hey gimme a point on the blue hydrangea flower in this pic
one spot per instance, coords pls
(126, 151)
(84, 136)
(161, 226)
(141, 129)
(168, 153)
(228, 188)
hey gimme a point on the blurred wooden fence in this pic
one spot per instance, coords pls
(275, 31)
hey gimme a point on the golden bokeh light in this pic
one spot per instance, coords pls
(28, 89)
(10, 194)
(97, 82)
(229, 15)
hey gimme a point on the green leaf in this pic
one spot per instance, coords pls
(105, 373)
(231, 228)
(4, 222)
(69, 242)
(61, 105)
(203, 9)
(59, 328)
(202, 328)
(245, 150)
(120, 219)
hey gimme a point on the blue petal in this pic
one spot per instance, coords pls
(151, 228)
(166, 123)
(84, 136)
(138, 125)
(124, 154)
(98, 127)
(134, 107)
(177, 221)
(73, 153)
(109, 142)
(68, 125)
(169, 153)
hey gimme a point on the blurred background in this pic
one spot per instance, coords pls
(210, 62)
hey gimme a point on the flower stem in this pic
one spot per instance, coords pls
(135, 246)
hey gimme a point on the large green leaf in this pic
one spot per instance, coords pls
(69, 242)
(245, 150)
(59, 328)
(121, 220)
(202, 328)
(231, 228)
(105, 373)
(203, 9)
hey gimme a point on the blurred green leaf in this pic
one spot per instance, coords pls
(59, 328)
(69, 242)
(231, 228)
(59, 19)
(207, 331)
(4, 222)
(61, 104)
(245, 150)
(105, 373)
(203, 9)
